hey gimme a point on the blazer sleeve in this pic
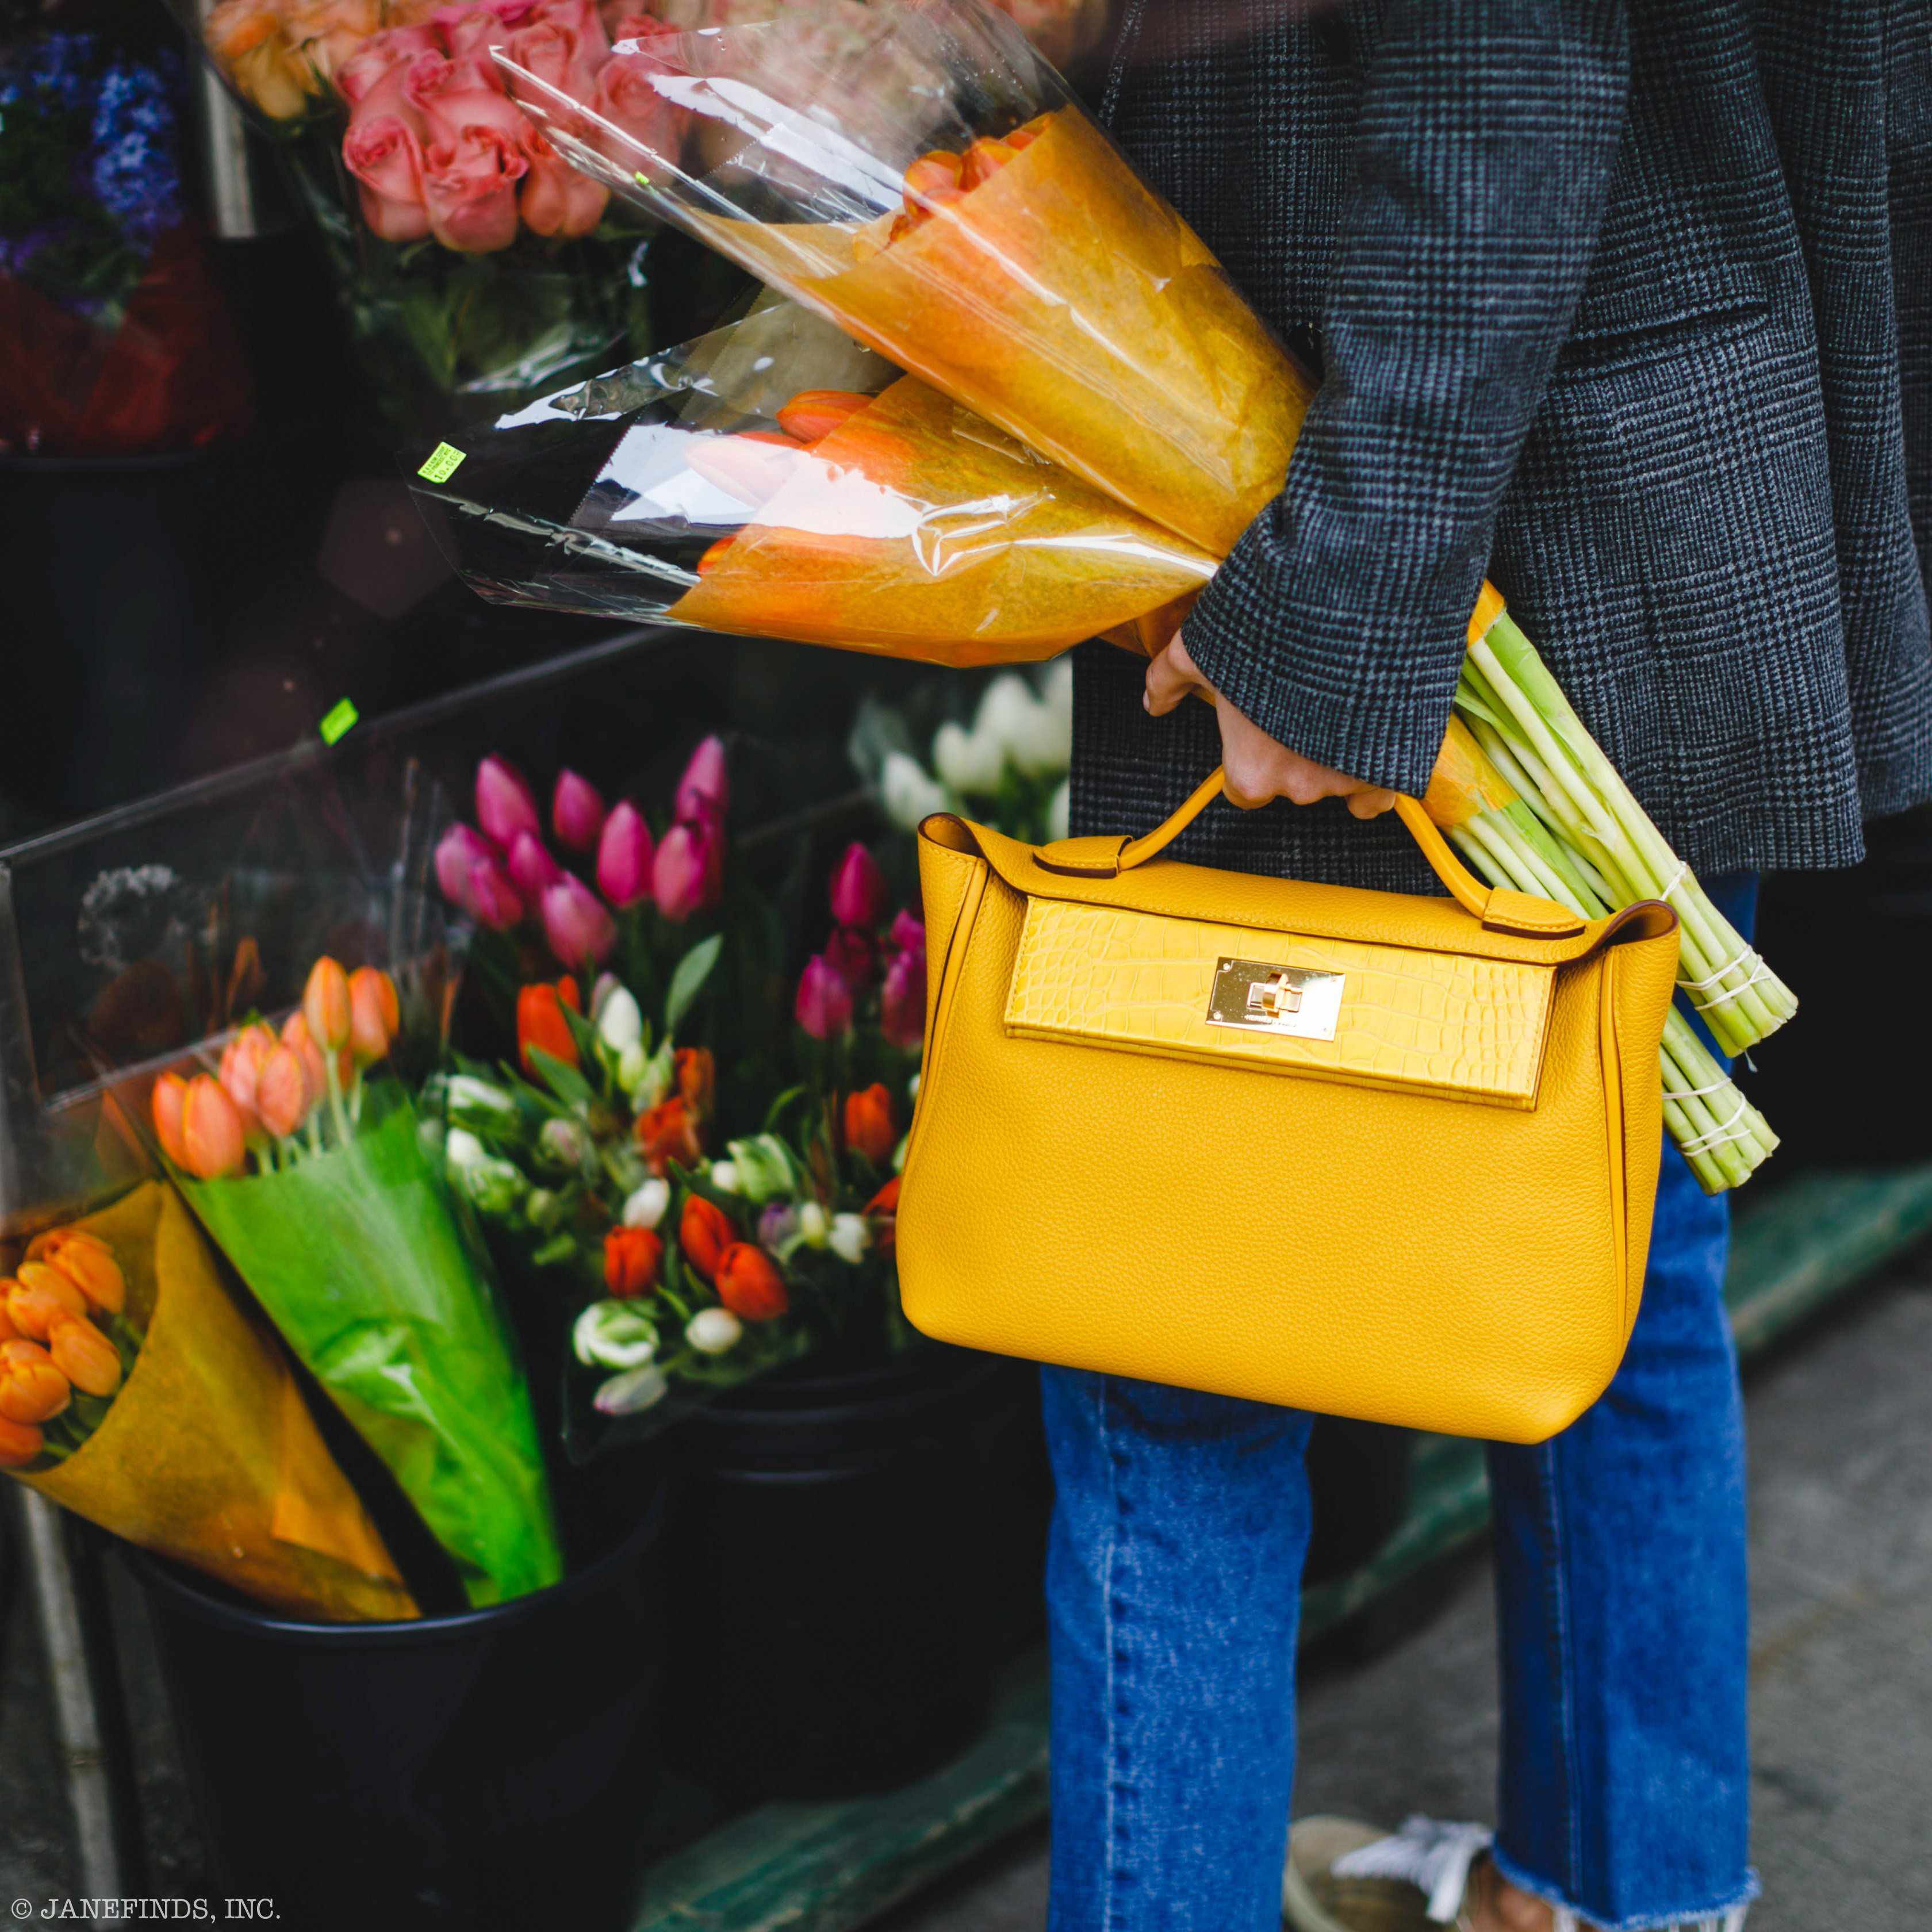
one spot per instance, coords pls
(1489, 130)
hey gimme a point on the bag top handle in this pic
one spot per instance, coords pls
(1500, 909)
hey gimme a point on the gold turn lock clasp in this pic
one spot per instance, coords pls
(1265, 998)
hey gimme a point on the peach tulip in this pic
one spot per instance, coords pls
(88, 1262)
(39, 1297)
(167, 1104)
(375, 1016)
(282, 1096)
(32, 1391)
(242, 1063)
(213, 1135)
(325, 1005)
(86, 1356)
(19, 1444)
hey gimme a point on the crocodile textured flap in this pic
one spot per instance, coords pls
(1404, 1016)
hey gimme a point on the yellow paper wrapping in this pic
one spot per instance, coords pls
(1465, 783)
(1068, 303)
(209, 1453)
(917, 529)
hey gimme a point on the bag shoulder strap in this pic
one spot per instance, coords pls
(1499, 909)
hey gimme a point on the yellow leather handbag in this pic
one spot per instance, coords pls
(1356, 1152)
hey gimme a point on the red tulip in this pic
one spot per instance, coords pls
(704, 791)
(213, 1136)
(902, 1001)
(668, 1132)
(577, 922)
(505, 804)
(20, 1443)
(869, 1127)
(576, 812)
(632, 1258)
(858, 890)
(624, 857)
(824, 1006)
(749, 1284)
(541, 1023)
(882, 1212)
(697, 1079)
(704, 1232)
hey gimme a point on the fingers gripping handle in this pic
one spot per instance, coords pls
(1498, 908)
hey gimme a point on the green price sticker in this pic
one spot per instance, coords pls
(338, 722)
(440, 465)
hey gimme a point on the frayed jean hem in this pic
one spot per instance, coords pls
(1726, 1915)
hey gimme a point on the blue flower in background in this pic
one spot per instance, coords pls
(60, 73)
(136, 174)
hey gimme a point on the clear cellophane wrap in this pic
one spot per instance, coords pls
(1054, 293)
(912, 528)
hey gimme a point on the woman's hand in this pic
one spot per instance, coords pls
(1258, 768)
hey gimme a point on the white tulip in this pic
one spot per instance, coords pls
(633, 1392)
(614, 1335)
(712, 1331)
(814, 1224)
(850, 1237)
(620, 1022)
(724, 1176)
(634, 1067)
(1027, 731)
(969, 761)
(462, 1149)
(909, 793)
(646, 1205)
(1059, 809)
(1056, 692)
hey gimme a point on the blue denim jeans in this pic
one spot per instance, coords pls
(1173, 1580)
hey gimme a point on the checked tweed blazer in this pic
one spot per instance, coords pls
(1628, 303)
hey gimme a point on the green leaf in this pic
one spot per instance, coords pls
(688, 981)
(775, 1111)
(565, 1082)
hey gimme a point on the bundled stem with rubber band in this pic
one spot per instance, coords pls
(1723, 1136)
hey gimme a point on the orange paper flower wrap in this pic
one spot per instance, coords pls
(1066, 301)
(209, 1454)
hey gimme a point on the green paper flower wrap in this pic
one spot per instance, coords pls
(357, 1255)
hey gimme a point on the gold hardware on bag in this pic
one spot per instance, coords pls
(1264, 997)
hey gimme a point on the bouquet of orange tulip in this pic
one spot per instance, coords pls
(305, 1162)
(134, 1392)
(774, 480)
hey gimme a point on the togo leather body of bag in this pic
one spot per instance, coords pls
(1355, 1152)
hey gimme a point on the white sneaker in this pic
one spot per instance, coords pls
(1343, 1876)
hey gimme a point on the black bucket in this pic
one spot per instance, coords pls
(830, 1574)
(468, 1771)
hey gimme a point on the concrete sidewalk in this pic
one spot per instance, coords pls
(1841, 1454)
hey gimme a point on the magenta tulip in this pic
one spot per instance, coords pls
(902, 1000)
(859, 889)
(624, 856)
(824, 1007)
(854, 955)
(493, 901)
(577, 924)
(576, 812)
(459, 849)
(687, 874)
(704, 792)
(505, 804)
(532, 869)
(908, 934)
